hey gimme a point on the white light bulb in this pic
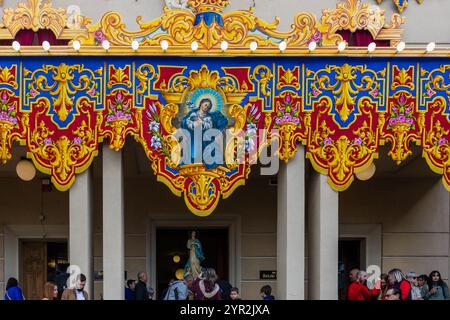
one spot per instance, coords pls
(135, 45)
(194, 46)
(283, 45)
(253, 46)
(224, 45)
(312, 46)
(76, 45)
(431, 46)
(106, 45)
(164, 45)
(46, 45)
(401, 46)
(341, 46)
(16, 46)
(371, 47)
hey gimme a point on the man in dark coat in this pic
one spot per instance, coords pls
(141, 290)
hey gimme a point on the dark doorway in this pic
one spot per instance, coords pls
(40, 262)
(172, 242)
(351, 255)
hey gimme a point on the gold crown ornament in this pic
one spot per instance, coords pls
(208, 5)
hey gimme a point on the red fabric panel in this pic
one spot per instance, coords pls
(46, 35)
(25, 37)
(362, 38)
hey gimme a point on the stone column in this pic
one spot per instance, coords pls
(291, 229)
(80, 227)
(323, 228)
(113, 226)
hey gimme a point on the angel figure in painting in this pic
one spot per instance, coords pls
(196, 257)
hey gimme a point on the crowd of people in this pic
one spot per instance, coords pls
(397, 286)
(205, 287)
(50, 292)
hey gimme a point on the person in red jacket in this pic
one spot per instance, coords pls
(398, 281)
(357, 290)
(373, 291)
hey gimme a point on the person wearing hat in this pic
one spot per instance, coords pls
(415, 290)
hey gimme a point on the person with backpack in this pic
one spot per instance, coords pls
(437, 288)
(179, 290)
(398, 281)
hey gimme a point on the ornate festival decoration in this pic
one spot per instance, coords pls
(61, 109)
(206, 23)
(343, 137)
(342, 113)
(62, 114)
(38, 15)
(201, 185)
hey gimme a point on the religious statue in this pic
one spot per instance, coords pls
(203, 119)
(193, 265)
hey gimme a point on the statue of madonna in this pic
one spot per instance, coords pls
(193, 265)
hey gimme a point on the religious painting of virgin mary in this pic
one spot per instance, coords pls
(201, 116)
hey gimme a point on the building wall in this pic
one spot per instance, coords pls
(414, 214)
(21, 208)
(426, 22)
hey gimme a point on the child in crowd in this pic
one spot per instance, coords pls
(234, 294)
(422, 284)
(266, 293)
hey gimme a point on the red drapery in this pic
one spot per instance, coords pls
(25, 37)
(48, 35)
(346, 35)
(363, 38)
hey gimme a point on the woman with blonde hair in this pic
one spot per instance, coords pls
(50, 291)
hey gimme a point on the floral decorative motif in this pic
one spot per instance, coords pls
(8, 110)
(288, 111)
(154, 126)
(99, 37)
(402, 114)
(401, 126)
(118, 118)
(289, 121)
(119, 110)
(8, 124)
